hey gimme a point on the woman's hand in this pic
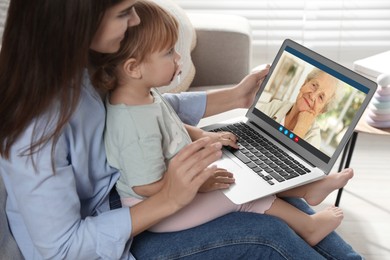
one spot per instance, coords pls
(189, 169)
(240, 96)
(245, 91)
(186, 173)
(221, 179)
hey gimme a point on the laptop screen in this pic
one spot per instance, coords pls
(312, 102)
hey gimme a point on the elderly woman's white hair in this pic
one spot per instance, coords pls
(337, 95)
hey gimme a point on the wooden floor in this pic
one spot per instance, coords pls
(366, 199)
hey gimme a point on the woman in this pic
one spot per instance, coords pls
(319, 93)
(54, 165)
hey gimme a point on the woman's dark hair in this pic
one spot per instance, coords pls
(42, 60)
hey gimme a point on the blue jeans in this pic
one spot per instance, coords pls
(240, 236)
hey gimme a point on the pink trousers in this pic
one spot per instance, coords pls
(204, 208)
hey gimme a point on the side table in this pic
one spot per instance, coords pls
(362, 127)
(370, 67)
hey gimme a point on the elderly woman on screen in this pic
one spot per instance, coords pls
(319, 93)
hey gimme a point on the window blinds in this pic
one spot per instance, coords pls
(343, 30)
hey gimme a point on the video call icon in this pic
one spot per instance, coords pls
(289, 134)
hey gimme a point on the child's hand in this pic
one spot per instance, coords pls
(221, 179)
(226, 138)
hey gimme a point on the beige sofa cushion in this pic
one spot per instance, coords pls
(223, 50)
(185, 44)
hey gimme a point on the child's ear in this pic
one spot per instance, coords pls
(132, 68)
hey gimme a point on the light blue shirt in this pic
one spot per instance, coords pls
(66, 214)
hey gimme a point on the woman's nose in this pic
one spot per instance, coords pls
(313, 96)
(133, 18)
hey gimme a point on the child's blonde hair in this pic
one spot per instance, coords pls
(158, 30)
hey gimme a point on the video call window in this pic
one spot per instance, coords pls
(311, 103)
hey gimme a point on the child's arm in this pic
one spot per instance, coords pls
(194, 132)
(226, 138)
(149, 189)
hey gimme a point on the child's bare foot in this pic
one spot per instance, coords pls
(324, 222)
(319, 190)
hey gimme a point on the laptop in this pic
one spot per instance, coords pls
(274, 157)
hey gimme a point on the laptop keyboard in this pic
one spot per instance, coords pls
(263, 157)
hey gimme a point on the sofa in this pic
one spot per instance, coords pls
(218, 56)
(222, 55)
